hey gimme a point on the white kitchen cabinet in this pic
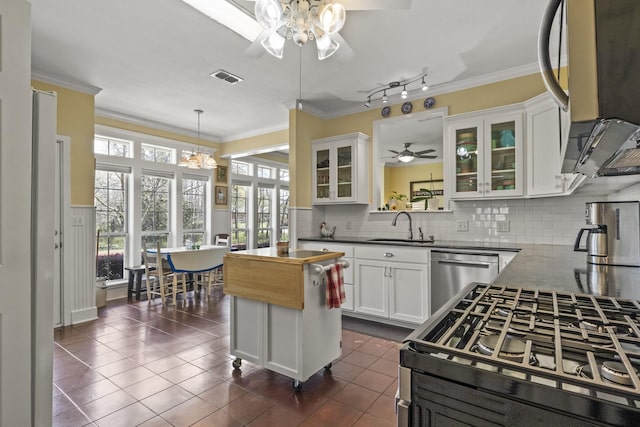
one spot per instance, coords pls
(347, 305)
(484, 153)
(340, 169)
(547, 126)
(392, 283)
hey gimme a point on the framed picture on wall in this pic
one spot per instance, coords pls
(435, 186)
(221, 176)
(221, 195)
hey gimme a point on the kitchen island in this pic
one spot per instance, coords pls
(279, 317)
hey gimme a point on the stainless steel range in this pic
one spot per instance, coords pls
(499, 355)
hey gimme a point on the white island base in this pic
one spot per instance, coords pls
(294, 342)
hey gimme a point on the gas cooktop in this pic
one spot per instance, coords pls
(577, 345)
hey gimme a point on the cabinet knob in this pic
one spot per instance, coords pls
(388, 255)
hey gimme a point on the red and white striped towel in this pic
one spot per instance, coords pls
(335, 286)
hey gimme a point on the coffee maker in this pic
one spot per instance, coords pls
(614, 235)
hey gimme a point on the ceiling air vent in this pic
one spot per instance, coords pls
(226, 76)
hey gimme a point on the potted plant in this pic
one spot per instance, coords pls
(430, 201)
(397, 200)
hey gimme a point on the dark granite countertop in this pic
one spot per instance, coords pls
(552, 267)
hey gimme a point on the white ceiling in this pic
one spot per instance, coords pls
(152, 59)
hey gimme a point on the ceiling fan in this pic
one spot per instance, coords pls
(305, 20)
(407, 155)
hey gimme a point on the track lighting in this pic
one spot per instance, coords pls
(424, 85)
(404, 94)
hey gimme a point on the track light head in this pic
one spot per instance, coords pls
(385, 98)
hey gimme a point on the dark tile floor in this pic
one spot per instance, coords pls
(154, 365)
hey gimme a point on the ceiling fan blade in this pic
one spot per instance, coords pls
(430, 150)
(255, 49)
(394, 151)
(427, 157)
(375, 4)
(344, 52)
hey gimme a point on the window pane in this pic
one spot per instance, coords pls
(111, 147)
(284, 174)
(240, 168)
(264, 171)
(193, 205)
(283, 210)
(157, 154)
(111, 213)
(155, 203)
(264, 216)
(239, 215)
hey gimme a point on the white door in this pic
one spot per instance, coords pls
(15, 218)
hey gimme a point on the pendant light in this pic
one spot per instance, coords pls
(198, 159)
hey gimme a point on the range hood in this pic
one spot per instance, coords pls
(603, 102)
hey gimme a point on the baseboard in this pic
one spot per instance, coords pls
(84, 315)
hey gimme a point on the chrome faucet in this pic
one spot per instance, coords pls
(408, 216)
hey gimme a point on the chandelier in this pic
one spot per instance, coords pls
(198, 159)
(300, 21)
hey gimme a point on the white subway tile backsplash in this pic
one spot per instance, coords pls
(553, 220)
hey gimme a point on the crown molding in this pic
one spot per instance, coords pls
(65, 82)
(109, 114)
(257, 132)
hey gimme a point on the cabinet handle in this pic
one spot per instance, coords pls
(388, 255)
(324, 250)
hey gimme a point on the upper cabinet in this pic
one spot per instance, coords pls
(484, 153)
(547, 127)
(340, 169)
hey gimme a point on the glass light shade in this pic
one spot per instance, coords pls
(385, 98)
(404, 94)
(332, 17)
(274, 44)
(268, 13)
(209, 162)
(326, 46)
(405, 158)
(184, 162)
(194, 162)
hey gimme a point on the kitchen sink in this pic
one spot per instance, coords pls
(415, 242)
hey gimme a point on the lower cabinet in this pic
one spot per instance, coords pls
(286, 340)
(396, 290)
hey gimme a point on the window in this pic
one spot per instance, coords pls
(239, 215)
(240, 168)
(110, 199)
(264, 216)
(153, 153)
(259, 203)
(193, 210)
(142, 197)
(111, 146)
(155, 210)
(264, 171)
(283, 209)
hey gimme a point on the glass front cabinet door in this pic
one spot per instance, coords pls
(339, 169)
(487, 155)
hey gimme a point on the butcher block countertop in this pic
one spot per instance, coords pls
(295, 256)
(263, 275)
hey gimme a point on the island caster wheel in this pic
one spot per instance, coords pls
(327, 367)
(297, 385)
(237, 363)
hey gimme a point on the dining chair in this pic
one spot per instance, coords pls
(161, 280)
(206, 265)
(222, 239)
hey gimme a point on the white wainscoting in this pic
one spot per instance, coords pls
(80, 294)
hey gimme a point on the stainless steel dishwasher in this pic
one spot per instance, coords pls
(452, 271)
